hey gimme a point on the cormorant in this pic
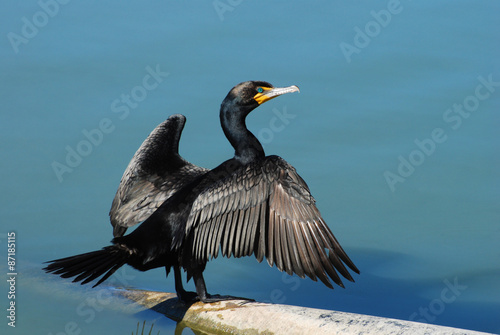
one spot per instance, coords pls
(249, 204)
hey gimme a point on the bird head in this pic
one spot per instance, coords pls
(248, 95)
(239, 102)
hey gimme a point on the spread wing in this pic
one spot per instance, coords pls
(155, 173)
(266, 209)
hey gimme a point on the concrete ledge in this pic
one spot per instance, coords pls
(243, 317)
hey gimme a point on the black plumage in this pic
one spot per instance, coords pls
(155, 173)
(250, 204)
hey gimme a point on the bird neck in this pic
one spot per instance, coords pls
(247, 147)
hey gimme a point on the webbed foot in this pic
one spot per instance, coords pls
(187, 296)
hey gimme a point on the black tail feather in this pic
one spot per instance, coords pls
(90, 274)
(109, 273)
(89, 266)
(73, 269)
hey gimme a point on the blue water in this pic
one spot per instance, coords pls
(407, 181)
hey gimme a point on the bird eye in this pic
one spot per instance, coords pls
(260, 90)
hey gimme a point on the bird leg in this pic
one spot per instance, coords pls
(201, 289)
(182, 294)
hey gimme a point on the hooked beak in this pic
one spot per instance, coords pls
(269, 93)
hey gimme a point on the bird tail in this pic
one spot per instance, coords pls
(89, 266)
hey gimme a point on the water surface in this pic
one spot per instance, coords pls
(426, 241)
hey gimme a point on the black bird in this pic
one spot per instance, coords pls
(249, 204)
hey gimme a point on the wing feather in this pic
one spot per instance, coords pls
(261, 244)
(270, 252)
(196, 244)
(316, 258)
(220, 232)
(265, 208)
(278, 243)
(320, 245)
(202, 249)
(302, 255)
(154, 174)
(238, 230)
(250, 231)
(285, 250)
(308, 254)
(294, 252)
(212, 237)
